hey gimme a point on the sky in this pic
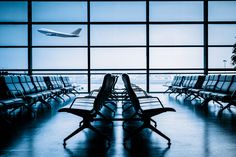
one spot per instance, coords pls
(116, 35)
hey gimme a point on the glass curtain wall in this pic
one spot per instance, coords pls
(150, 40)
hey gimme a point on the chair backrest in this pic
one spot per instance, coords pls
(30, 84)
(232, 87)
(193, 81)
(220, 83)
(174, 80)
(65, 81)
(8, 89)
(179, 81)
(42, 83)
(51, 82)
(228, 80)
(214, 81)
(114, 81)
(17, 84)
(205, 82)
(133, 97)
(103, 93)
(199, 81)
(36, 83)
(24, 84)
(59, 82)
(187, 81)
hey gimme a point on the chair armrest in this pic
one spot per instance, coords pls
(145, 97)
(86, 97)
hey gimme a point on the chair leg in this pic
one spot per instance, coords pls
(160, 133)
(74, 133)
(221, 110)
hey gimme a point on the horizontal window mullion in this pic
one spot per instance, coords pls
(59, 46)
(59, 69)
(162, 69)
(176, 45)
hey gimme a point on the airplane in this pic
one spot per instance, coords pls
(49, 32)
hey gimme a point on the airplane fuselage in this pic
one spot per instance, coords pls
(49, 32)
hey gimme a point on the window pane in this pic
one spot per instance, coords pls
(118, 35)
(81, 80)
(13, 35)
(118, 11)
(222, 11)
(42, 39)
(176, 34)
(59, 58)
(13, 58)
(13, 11)
(220, 57)
(157, 82)
(138, 79)
(176, 58)
(222, 34)
(59, 11)
(176, 11)
(118, 58)
(96, 81)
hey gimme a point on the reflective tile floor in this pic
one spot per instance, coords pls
(194, 132)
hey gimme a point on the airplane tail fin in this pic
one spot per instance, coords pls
(77, 31)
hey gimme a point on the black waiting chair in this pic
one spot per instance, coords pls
(144, 114)
(90, 112)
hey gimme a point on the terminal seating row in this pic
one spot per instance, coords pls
(101, 105)
(24, 91)
(218, 88)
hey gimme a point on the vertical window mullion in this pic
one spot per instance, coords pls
(89, 58)
(147, 44)
(29, 37)
(205, 37)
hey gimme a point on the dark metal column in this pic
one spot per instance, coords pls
(205, 37)
(147, 44)
(88, 29)
(29, 38)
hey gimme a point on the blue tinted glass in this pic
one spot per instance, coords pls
(176, 11)
(118, 58)
(118, 35)
(220, 57)
(13, 35)
(13, 58)
(13, 11)
(222, 34)
(222, 11)
(118, 11)
(42, 39)
(60, 58)
(59, 11)
(176, 34)
(176, 58)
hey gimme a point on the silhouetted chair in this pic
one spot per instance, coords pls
(145, 115)
(89, 113)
